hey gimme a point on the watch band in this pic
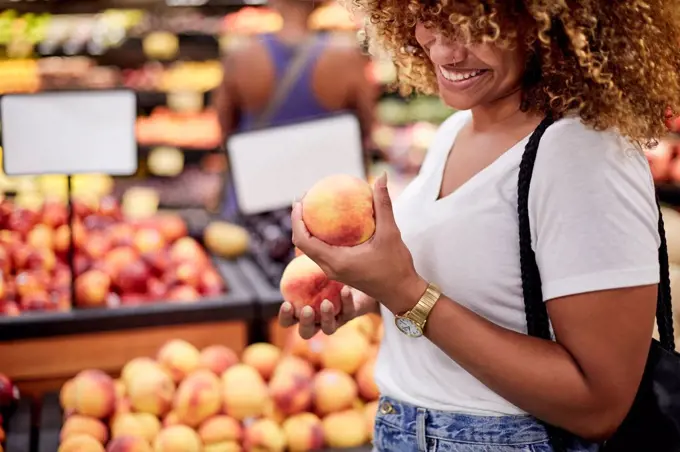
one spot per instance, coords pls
(422, 309)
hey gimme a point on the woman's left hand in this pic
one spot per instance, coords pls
(381, 267)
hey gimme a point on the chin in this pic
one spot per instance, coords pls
(458, 101)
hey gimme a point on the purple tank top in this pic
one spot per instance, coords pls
(300, 104)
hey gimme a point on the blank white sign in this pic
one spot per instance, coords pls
(71, 132)
(272, 167)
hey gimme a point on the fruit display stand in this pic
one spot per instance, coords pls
(129, 295)
(184, 399)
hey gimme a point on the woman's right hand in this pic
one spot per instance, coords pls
(354, 304)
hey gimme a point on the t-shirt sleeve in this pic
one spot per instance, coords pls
(593, 213)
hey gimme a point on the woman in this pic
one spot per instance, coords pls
(474, 381)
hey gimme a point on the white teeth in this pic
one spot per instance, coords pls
(458, 76)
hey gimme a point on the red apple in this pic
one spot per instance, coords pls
(62, 240)
(79, 234)
(84, 207)
(121, 234)
(5, 260)
(20, 254)
(158, 261)
(41, 259)
(211, 283)
(148, 241)
(37, 301)
(41, 236)
(118, 258)
(92, 287)
(184, 274)
(171, 227)
(183, 293)
(28, 283)
(81, 263)
(96, 246)
(132, 278)
(9, 238)
(54, 214)
(156, 289)
(22, 221)
(9, 309)
(187, 249)
(61, 279)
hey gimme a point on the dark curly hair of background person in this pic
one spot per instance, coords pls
(615, 62)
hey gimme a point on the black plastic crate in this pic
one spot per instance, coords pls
(51, 419)
(17, 426)
(268, 296)
(236, 304)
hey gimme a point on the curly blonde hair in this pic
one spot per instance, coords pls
(615, 62)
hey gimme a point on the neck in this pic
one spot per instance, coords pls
(505, 110)
(295, 22)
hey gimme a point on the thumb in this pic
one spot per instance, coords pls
(382, 204)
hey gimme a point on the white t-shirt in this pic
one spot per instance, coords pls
(594, 227)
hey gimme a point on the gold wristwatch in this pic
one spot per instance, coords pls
(412, 323)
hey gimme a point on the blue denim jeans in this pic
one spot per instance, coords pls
(400, 427)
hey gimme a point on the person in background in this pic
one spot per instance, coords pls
(329, 77)
(332, 78)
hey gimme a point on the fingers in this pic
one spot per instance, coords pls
(328, 321)
(348, 311)
(308, 326)
(287, 315)
(382, 204)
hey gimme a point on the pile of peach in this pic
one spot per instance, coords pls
(313, 394)
(116, 261)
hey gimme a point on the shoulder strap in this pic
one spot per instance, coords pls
(290, 76)
(538, 324)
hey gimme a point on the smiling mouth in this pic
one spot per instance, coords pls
(459, 75)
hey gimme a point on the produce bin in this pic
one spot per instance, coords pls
(51, 420)
(39, 351)
(17, 426)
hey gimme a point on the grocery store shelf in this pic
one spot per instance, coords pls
(151, 99)
(236, 304)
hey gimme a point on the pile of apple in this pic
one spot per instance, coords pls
(310, 395)
(117, 261)
(190, 130)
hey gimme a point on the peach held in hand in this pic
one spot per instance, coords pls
(303, 283)
(339, 210)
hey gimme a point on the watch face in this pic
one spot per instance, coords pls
(408, 327)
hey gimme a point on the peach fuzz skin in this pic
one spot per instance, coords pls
(338, 210)
(304, 284)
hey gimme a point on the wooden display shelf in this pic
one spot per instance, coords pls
(41, 365)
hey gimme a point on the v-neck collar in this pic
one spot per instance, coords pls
(478, 178)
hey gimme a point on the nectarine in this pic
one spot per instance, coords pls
(339, 210)
(303, 283)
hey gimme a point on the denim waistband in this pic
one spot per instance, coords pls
(501, 430)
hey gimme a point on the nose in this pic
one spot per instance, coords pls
(445, 51)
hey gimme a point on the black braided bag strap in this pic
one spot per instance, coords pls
(538, 324)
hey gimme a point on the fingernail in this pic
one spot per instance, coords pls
(307, 312)
(286, 307)
(326, 306)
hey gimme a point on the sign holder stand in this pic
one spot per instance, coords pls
(81, 132)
